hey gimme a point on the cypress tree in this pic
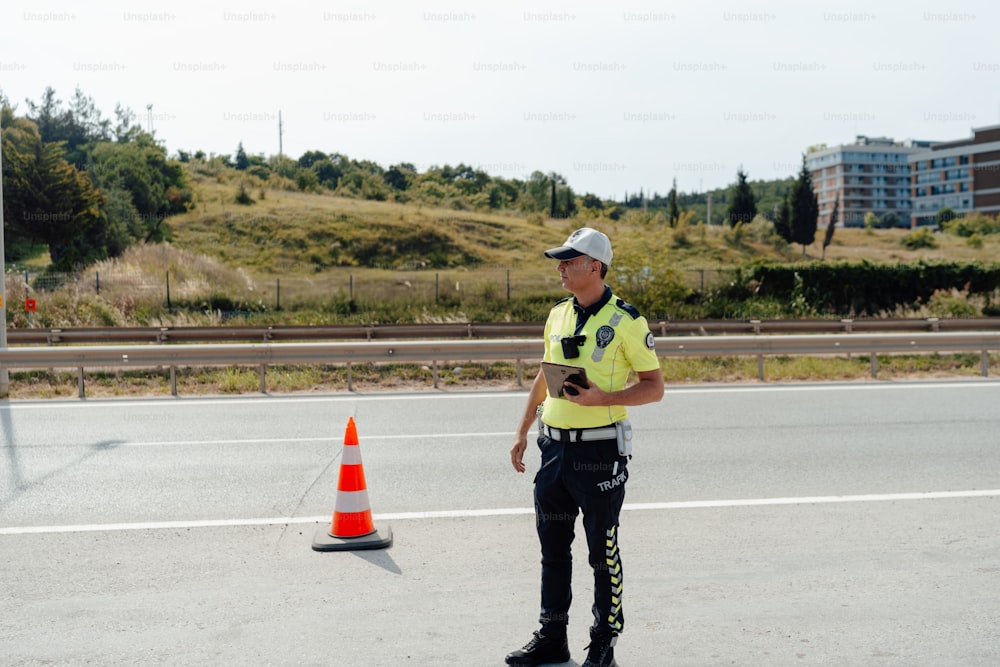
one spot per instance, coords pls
(743, 206)
(803, 209)
(828, 237)
(673, 213)
(242, 161)
(782, 224)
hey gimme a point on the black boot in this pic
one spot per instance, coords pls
(601, 653)
(540, 650)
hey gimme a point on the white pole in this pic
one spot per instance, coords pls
(4, 377)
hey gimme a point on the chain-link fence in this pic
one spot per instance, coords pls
(178, 288)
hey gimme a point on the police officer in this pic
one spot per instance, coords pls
(582, 441)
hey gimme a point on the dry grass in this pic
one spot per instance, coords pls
(885, 245)
(294, 233)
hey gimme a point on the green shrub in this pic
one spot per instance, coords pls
(920, 238)
(951, 303)
(971, 225)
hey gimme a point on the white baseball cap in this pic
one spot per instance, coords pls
(584, 241)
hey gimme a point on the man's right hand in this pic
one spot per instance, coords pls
(517, 452)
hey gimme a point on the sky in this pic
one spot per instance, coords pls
(615, 97)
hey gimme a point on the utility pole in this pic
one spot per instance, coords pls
(4, 376)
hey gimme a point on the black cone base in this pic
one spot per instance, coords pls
(324, 541)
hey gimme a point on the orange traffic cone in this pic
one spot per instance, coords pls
(352, 526)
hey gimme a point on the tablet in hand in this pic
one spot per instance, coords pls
(557, 374)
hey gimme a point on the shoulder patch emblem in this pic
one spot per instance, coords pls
(650, 341)
(604, 336)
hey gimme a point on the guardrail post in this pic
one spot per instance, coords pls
(760, 357)
(874, 364)
(934, 322)
(263, 383)
(350, 379)
(848, 328)
(984, 363)
(434, 370)
(79, 382)
(173, 380)
(520, 372)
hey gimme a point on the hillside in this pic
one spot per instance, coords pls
(295, 232)
(292, 257)
(292, 232)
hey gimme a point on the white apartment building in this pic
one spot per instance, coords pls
(872, 175)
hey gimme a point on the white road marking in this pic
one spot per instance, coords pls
(287, 441)
(502, 511)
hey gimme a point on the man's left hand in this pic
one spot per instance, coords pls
(589, 395)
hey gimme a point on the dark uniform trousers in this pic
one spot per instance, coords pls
(573, 477)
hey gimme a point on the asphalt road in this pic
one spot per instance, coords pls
(765, 525)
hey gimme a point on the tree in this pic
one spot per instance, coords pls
(803, 209)
(870, 221)
(327, 173)
(673, 213)
(47, 199)
(126, 129)
(398, 177)
(828, 237)
(889, 220)
(537, 196)
(76, 127)
(156, 186)
(562, 201)
(743, 205)
(242, 161)
(646, 271)
(782, 224)
(310, 157)
(944, 216)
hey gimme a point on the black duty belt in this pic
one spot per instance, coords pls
(579, 434)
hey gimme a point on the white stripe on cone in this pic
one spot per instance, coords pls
(352, 456)
(349, 502)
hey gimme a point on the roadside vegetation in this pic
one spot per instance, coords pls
(105, 229)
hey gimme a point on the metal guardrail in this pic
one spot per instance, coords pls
(265, 354)
(234, 334)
